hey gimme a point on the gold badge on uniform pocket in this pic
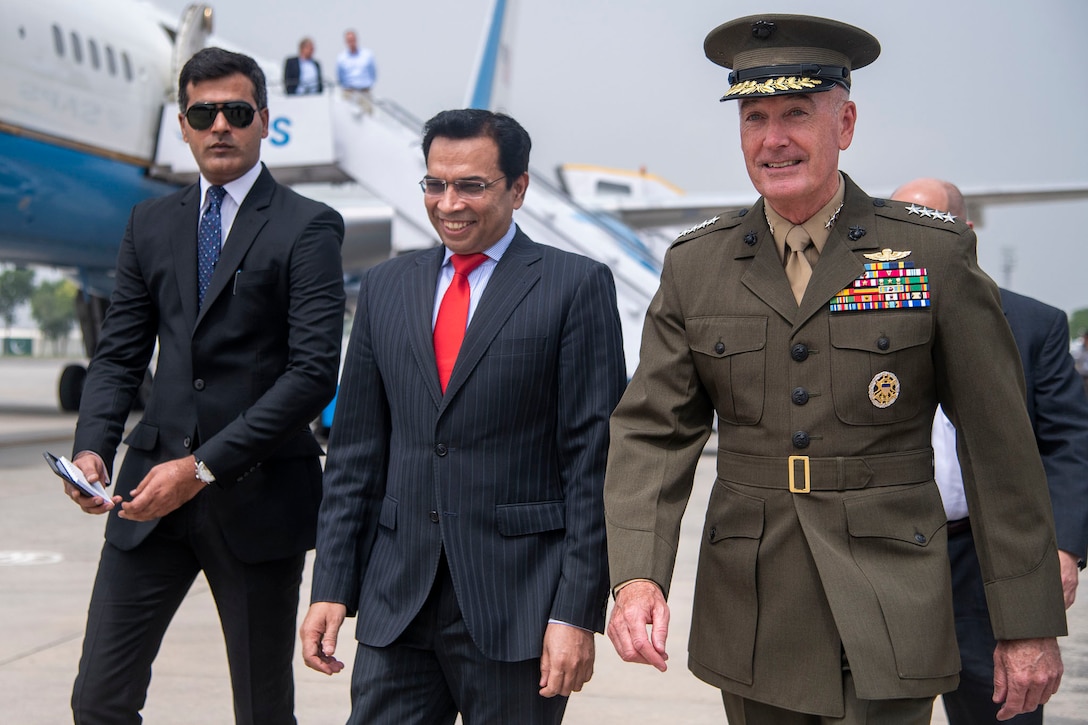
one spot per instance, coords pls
(883, 389)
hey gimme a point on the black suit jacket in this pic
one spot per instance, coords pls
(238, 380)
(1058, 408)
(504, 472)
(291, 75)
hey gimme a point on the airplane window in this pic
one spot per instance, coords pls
(77, 49)
(58, 40)
(127, 65)
(92, 48)
(111, 62)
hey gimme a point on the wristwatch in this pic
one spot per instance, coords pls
(203, 473)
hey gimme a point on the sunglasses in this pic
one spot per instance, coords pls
(466, 188)
(201, 116)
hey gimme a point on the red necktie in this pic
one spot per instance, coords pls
(449, 328)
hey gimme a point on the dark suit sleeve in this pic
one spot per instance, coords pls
(308, 383)
(290, 75)
(1061, 430)
(592, 376)
(124, 350)
(355, 473)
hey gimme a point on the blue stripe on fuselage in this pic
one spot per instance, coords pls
(63, 207)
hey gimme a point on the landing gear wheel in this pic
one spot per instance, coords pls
(70, 387)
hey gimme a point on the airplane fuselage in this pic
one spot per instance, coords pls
(82, 88)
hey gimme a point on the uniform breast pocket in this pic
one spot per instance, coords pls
(730, 355)
(881, 365)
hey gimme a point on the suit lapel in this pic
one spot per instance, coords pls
(251, 218)
(418, 294)
(182, 242)
(512, 279)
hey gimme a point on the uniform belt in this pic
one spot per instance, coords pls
(801, 474)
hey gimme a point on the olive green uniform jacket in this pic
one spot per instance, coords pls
(787, 581)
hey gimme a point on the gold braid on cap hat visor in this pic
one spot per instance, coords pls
(773, 85)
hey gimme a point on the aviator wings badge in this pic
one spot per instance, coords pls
(886, 255)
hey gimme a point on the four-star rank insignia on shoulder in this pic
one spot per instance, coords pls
(928, 213)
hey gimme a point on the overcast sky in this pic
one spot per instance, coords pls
(984, 93)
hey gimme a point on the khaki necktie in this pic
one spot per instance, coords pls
(798, 268)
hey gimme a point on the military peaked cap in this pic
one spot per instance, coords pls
(774, 55)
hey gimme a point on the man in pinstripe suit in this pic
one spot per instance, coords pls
(463, 519)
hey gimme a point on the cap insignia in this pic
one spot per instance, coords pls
(762, 29)
(930, 213)
(773, 85)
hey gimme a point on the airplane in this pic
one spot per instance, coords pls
(88, 128)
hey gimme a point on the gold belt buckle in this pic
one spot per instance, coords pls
(793, 478)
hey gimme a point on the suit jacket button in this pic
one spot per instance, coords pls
(187, 442)
(441, 449)
(434, 517)
(799, 396)
(799, 352)
(198, 384)
(801, 439)
(883, 343)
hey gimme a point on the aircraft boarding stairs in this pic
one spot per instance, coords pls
(331, 138)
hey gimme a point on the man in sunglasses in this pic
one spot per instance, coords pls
(463, 518)
(238, 280)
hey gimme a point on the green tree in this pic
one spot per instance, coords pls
(52, 305)
(1078, 323)
(16, 286)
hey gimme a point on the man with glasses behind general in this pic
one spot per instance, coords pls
(238, 279)
(463, 517)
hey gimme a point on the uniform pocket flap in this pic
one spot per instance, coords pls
(882, 332)
(518, 519)
(912, 514)
(734, 516)
(724, 336)
(143, 437)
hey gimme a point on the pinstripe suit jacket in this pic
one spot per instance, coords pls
(504, 472)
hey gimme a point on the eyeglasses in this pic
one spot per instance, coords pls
(465, 188)
(201, 116)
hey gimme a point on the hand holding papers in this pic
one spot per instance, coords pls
(71, 473)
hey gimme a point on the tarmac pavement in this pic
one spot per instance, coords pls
(48, 556)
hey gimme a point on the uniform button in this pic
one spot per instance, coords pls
(187, 442)
(800, 439)
(799, 396)
(878, 202)
(713, 533)
(434, 517)
(799, 352)
(441, 449)
(719, 348)
(198, 384)
(883, 343)
(920, 538)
